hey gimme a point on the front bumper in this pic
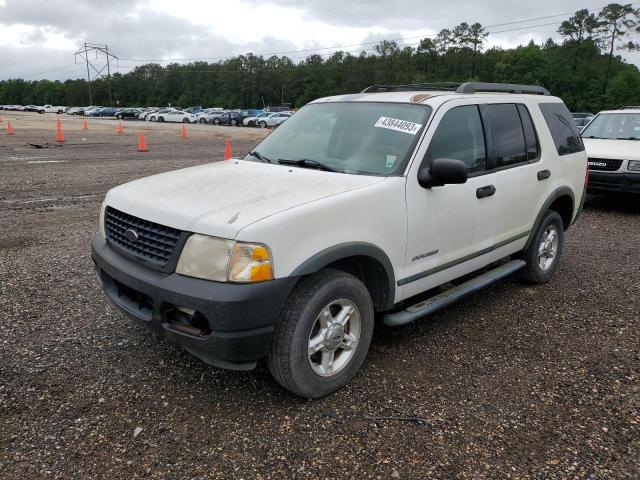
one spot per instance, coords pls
(600, 182)
(239, 318)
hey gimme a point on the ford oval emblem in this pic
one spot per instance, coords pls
(131, 235)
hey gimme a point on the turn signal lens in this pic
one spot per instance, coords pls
(250, 263)
(101, 221)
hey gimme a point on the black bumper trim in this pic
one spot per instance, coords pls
(241, 316)
(600, 182)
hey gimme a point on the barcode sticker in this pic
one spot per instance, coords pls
(398, 125)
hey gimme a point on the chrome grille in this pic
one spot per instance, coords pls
(155, 243)
(604, 164)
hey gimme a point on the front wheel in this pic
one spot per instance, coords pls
(263, 124)
(323, 334)
(185, 120)
(161, 119)
(543, 253)
(216, 121)
(234, 122)
(202, 121)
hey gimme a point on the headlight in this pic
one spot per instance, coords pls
(223, 260)
(101, 221)
(634, 165)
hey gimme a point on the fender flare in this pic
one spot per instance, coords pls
(346, 250)
(557, 193)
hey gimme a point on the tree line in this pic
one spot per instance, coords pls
(583, 69)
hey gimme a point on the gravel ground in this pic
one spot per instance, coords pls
(512, 382)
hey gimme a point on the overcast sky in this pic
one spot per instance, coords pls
(38, 38)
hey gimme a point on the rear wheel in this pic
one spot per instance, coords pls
(202, 121)
(543, 253)
(161, 119)
(216, 121)
(323, 334)
(185, 120)
(234, 122)
(262, 124)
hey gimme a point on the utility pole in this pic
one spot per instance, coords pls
(83, 53)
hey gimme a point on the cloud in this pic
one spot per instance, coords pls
(40, 37)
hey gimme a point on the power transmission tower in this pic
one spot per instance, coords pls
(98, 70)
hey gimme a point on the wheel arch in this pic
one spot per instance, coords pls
(364, 260)
(561, 200)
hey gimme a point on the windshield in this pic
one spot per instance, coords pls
(614, 126)
(350, 137)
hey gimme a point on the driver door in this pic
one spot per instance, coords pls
(449, 227)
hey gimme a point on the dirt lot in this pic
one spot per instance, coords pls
(515, 381)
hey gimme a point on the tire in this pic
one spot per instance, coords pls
(301, 319)
(161, 119)
(234, 122)
(119, 117)
(216, 121)
(202, 121)
(185, 120)
(152, 119)
(540, 267)
(262, 124)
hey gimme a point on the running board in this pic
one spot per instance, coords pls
(430, 305)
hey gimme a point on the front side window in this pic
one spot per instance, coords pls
(374, 138)
(460, 136)
(614, 126)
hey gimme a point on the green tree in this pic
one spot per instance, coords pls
(616, 22)
(581, 26)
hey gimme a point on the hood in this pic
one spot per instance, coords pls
(614, 149)
(221, 198)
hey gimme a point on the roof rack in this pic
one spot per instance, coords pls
(469, 87)
(474, 87)
(412, 87)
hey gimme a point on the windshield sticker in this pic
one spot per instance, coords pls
(391, 160)
(398, 125)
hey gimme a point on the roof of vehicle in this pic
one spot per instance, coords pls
(622, 110)
(420, 93)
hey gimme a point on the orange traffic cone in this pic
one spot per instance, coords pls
(119, 128)
(227, 149)
(183, 133)
(59, 135)
(142, 145)
(85, 125)
(9, 128)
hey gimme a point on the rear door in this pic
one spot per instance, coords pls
(521, 174)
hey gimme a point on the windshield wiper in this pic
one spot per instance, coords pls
(307, 163)
(260, 157)
(593, 136)
(627, 138)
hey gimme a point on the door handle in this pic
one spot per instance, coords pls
(544, 174)
(487, 191)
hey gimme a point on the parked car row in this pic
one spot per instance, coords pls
(196, 114)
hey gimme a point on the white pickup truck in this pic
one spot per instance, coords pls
(390, 204)
(52, 109)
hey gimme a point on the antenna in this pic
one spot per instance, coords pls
(98, 71)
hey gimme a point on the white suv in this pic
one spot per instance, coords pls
(612, 142)
(358, 205)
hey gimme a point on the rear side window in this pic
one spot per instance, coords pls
(562, 127)
(530, 136)
(510, 146)
(460, 136)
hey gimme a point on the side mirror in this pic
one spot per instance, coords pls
(443, 171)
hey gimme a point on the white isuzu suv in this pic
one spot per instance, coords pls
(393, 202)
